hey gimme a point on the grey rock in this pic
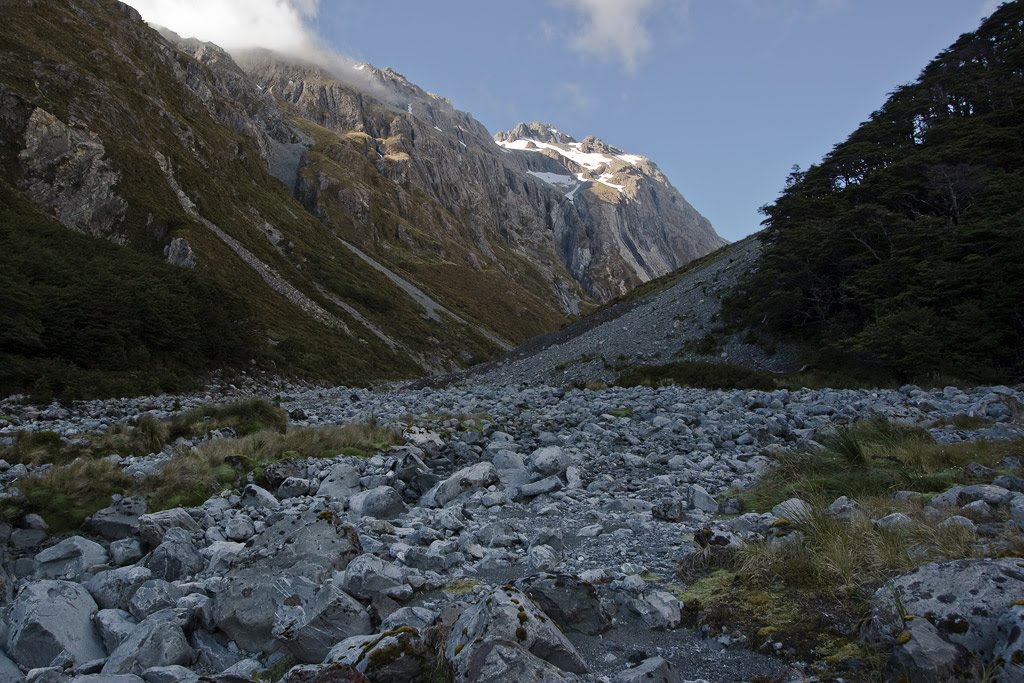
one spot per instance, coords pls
(120, 520)
(340, 483)
(548, 461)
(114, 626)
(468, 479)
(108, 678)
(258, 497)
(292, 487)
(509, 616)
(418, 618)
(964, 599)
(793, 509)
(330, 617)
(125, 551)
(153, 526)
(921, 654)
(382, 502)
(541, 558)
(651, 670)
(239, 529)
(114, 588)
(700, 499)
(153, 596)
(959, 521)
(155, 642)
(670, 509)
(896, 521)
(176, 557)
(536, 488)
(573, 604)
(1009, 648)
(48, 617)
(368, 576)
(9, 671)
(70, 559)
(397, 656)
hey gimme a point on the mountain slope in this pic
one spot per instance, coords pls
(372, 230)
(902, 250)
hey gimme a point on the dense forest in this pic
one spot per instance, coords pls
(903, 251)
(83, 317)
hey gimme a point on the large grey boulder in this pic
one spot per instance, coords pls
(118, 521)
(548, 461)
(368, 577)
(283, 568)
(309, 631)
(468, 479)
(1009, 649)
(69, 560)
(397, 656)
(153, 526)
(651, 670)
(153, 596)
(176, 557)
(382, 502)
(157, 641)
(963, 599)
(49, 617)
(9, 671)
(341, 483)
(114, 588)
(502, 629)
(573, 604)
(114, 625)
(921, 654)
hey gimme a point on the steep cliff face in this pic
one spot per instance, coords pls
(607, 219)
(639, 227)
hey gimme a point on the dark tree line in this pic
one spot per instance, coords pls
(903, 250)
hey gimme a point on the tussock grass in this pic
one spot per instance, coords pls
(192, 476)
(874, 458)
(245, 416)
(701, 375)
(66, 494)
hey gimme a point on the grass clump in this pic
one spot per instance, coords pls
(874, 458)
(696, 374)
(246, 416)
(66, 494)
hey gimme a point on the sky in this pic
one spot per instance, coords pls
(724, 95)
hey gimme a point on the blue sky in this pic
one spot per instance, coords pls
(724, 95)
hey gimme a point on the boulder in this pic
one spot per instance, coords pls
(368, 577)
(1009, 649)
(572, 604)
(963, 599)
(69, 560)
(468, 479)
(651, 670)
(382, 502)
(114, 626)
(49, 617)
(9, 671)
(549, 460)
(793, 509)
(176, 557)
(153, 596)
(330, 673)
(536, 488)
(396, 656)
(114, 588)
(921, 654)
(504, 633)
(153, 526)
(169, 674)
(341, 483)
(258, 497)
(157, 641)
(308, 631)
(118, 521)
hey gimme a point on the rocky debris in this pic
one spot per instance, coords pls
(562, 503)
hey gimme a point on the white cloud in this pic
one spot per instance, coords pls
(281, 25)
(613, 30)
(576, 95)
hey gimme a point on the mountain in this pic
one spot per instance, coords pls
(360, 227)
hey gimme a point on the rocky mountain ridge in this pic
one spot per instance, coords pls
(353, 205)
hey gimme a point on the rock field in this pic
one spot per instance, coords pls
(528, 533)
